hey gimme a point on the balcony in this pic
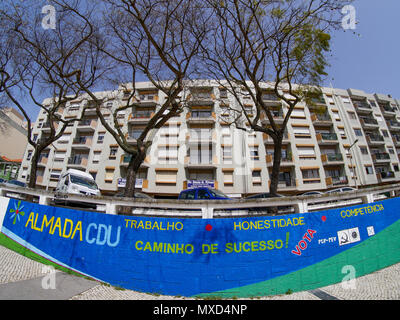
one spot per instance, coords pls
(84, 142)
(362, 107)
(385, 176)
(87, 125)
(147, 99)
(268, 140)
(78, 161)
(336, 181)
(200, 117)
(201, 97)
(46, 126)
(270, 99)
(369, 122)
(140, 116)
(277, 115)
(286, 160)
(381, 157)
(126, 158)
(332, 158)
(327, 138)
(289, 184)
(200, 161)
(321, 119)
(387, 110)
(374, 139)
(393, 125)
(133, 135)
(201, 136)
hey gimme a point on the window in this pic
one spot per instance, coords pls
(168, 154)
(227, 153)
(298, 113)
(396, 167)
(96, 156)
(336, 115)
(306, 151)
(254, 153)
(109, 176)
(310, 175)
(223, 93)
(301, 131)
(385, 133)
(390, 150)
(256, 177)
(113, 152)
(100, 137)
(345, 99)
(358, 132)
(228, 177)
(64, 138)
(59, 155)
(55, 174)
(363, 150)
(369, 169)
(29, 155)
(166, 176)
(200, 154)
(352, 115)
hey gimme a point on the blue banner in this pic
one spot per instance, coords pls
(191, 256)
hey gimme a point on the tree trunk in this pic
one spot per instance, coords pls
(34, 165)
(133, 168)
(273, 189)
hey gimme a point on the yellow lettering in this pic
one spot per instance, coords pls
(70, 223)
(30, 219)
(78, 227)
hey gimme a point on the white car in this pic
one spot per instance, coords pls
(343, 189)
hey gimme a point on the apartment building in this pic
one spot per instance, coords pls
(348, 138)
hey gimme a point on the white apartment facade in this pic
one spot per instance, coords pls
(351, 138)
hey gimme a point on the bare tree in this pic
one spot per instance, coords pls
(47, 63)
(270, 48)
(156, 41)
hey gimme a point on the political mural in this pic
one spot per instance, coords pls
(241, 256)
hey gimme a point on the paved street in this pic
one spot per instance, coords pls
(25, 279)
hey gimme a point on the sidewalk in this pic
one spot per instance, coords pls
(25, 279)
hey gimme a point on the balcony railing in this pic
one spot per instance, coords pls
(329, 157)
(380, 156)
(77, 160)
(375, 137)
(369, 121)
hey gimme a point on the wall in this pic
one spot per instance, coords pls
(230, 257)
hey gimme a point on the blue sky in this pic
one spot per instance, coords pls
(369, 61)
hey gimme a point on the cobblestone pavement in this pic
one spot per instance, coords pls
(22, 278)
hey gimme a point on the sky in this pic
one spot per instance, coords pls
(370, 59)
(366, 58)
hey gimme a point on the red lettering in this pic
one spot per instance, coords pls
(311, 232)
(297, 251)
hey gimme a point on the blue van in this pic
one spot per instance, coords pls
(202, 194)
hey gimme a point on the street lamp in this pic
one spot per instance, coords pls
(353, 167)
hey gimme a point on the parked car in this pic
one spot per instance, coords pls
(311, 193)
(2, 180)
(137, 194)
(202, 193)
(14, 183)
(342, 189)
(265, 195)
